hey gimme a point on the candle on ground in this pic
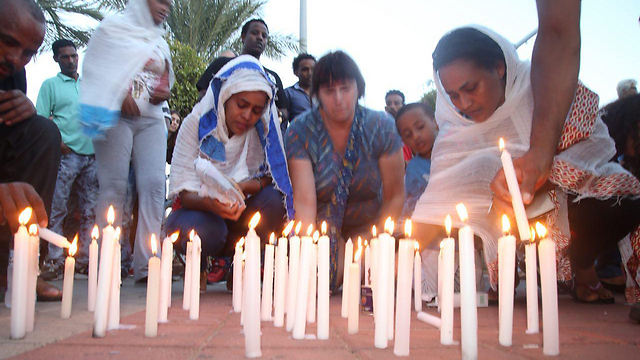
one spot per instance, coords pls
(382, 279)
(417, 278)
(392, 268)
(359, 261)
(188, 270)
(313, 280)
(506, 271)
(113, 319)
(299, 325)
(166, 263)
(403, 299)
(514, 190)
(447, 255)
(281, 277)
(323, 284)
(375, 251)
(237, 277)
(292, 282)
(267, 282)
(549, 290)
(196, 251)
(348, 259)
(34, 254)
(251, 308)
(468, 306)
(67, 285)
(19, 279)
(434, 321)
(367, 264)
(153, 288)
(104, 277)
(531, 271)
(92, 283)
(354, 294)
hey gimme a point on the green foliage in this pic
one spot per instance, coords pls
(57, 13)
(187, 66)
(429, 97)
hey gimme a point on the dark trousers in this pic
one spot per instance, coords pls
(597, 226)
(218, 235)
(29, 152)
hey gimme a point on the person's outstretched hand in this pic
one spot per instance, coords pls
(14, 198)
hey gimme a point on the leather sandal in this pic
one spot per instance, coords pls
(47, 292)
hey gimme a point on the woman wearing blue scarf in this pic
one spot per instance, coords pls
(229, 162)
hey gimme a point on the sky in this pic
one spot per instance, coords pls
(392, 41)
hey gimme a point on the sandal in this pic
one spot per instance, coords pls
(47, 292)
(592, 290)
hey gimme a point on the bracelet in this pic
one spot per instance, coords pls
(260, 183)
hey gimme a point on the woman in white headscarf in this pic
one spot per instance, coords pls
(484, 93)
(127, 76)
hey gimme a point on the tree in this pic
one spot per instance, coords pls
(429, 97)
(187, 66)
(57, 14)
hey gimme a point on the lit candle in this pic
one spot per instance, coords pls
(67, 285)
(392, 269)
(174, 238)
(56, 239)
(93, 269)
(382, 279)
(417, 278)
(354, 294)
(348, 259)
(165, 276)
(403, 300)
(19, 279)
(237, 276)
(514, 190)
(531, 268)
(300, 322)
(196, 251)
(104, 277)
(313, 280)
(468, 307)
(153, 289)
(447, 255)
(251, 308)
(281, 277)
(549, 290)
(367, 264)
(359, 247)
(113, 319)
(323, 284)
(506, 271)
(34, 254)
(186, 292)
(267, 282)
(375, 251)
(292, 282)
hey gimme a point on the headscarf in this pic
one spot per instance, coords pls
(117, 51)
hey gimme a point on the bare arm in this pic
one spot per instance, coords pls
(392, 173)
(304, 190)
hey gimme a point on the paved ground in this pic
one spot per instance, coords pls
(587, 332)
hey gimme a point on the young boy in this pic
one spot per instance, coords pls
(417, 127)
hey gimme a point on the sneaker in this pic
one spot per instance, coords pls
(218, 271)
(52, 271)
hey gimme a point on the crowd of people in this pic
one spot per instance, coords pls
(312, 153)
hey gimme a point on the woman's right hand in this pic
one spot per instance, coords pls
(129, 107)
(232, 212)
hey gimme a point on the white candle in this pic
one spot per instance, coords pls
(417, 279)
(434, 321)
(267, 282)
(348, 259)
(533, 324)
(165, 276)
(391, 293)
(251, 308)
(381, 282)
(375, 259)
(113, 319)
(292, 282)
(56, 239)
(313, 280)
(92, 283)
(440, 271)
(300, 322)
(34, 254)
(323, 284)
(196, 251)
(507, 268)
(549, 289)
(354, 294)
(186, 292)
(104, 277)
(403, 298)
(281, 277)
(514, 190)
(67, 285)
(153, 291)
(367, 264)
(468, 308)
(237, 277)
(19, 279)
(447, 252)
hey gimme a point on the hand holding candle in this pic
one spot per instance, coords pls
(514, 190)
(67, 286)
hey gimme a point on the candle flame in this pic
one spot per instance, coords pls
(272, 237)
(407, 228)
(541, 230)
(462, 212)
(117, 233)
(33, 230)
(323, 227)
(167, 212)
(310, 230)
(95, 233)
(154, 244)
(447, 225)
(111, 215)
(506, 226)
(298, 227)
(288, 229)
(417, 246)
(240, 242)
(533, 234)
(316, 236)
(374, 231)
(358, 253)
(388, 225)
(254, 221)
(501, 144)
(366, 243)
(74, 246)
(25, 215)
(175, 236)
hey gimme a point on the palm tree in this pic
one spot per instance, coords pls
(58, 13)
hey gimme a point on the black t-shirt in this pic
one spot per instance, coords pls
(16, 81)
(218, 63)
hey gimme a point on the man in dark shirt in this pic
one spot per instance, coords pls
(254, 35)
(29, 144)
(298, 94)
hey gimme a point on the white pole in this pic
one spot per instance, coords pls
(303, 26)
(524, 39)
